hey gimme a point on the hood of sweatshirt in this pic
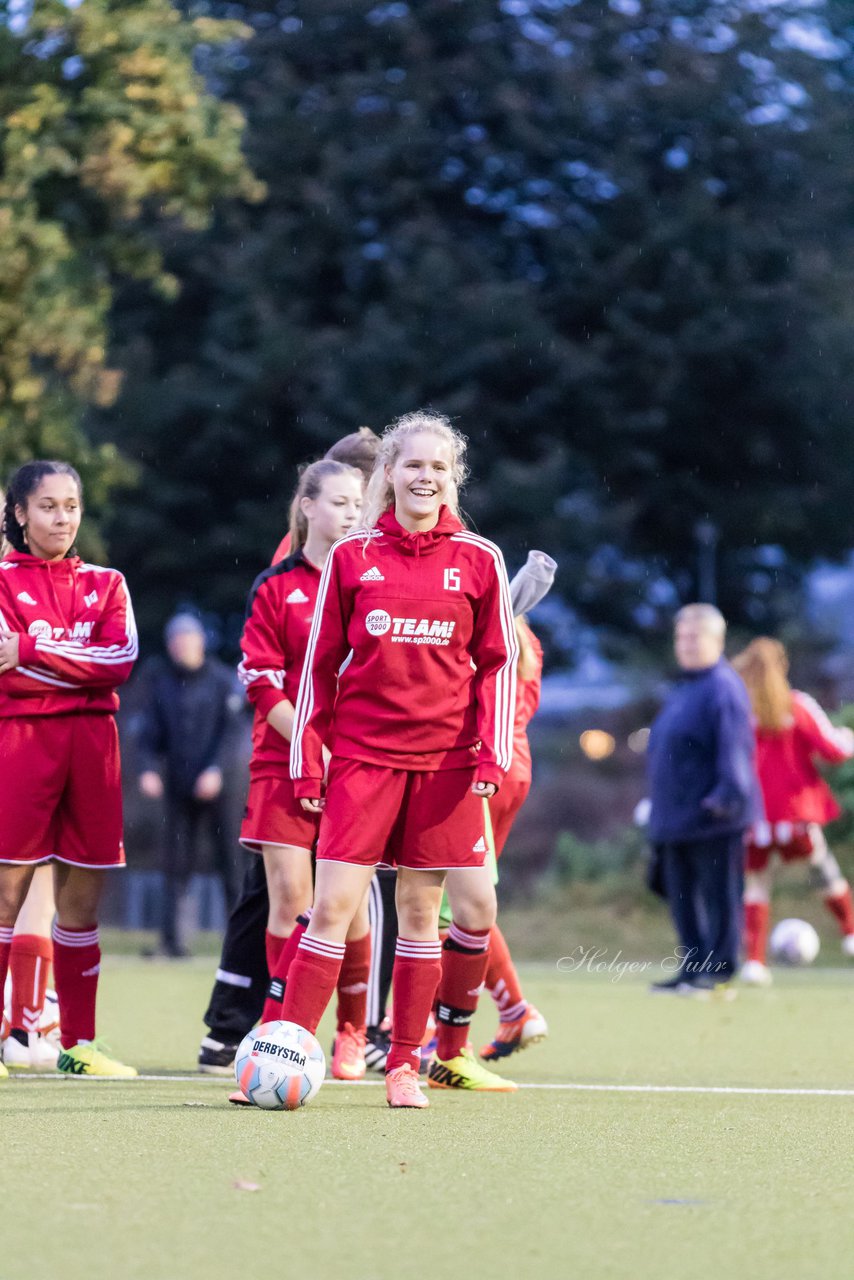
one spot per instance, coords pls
(419, 544)
(63, 568)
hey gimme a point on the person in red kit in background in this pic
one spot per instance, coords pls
(67, 641)
(791, 732)
(410, 678)
(520, 1024)
(325, 507)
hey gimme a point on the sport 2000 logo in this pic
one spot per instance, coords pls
(378, 622)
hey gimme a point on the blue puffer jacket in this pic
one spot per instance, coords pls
(700, 759)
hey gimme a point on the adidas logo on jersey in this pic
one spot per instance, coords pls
(480, 847)
(297, 597)
(25, 597)
(372, 575)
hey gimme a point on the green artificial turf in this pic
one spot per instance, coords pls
(151, 1178)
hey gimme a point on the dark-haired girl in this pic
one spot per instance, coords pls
(67, 641)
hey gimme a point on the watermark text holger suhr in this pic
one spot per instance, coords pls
(597, 960)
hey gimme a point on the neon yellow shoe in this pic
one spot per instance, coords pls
(465, 1072)
(90, 1060)
(4, 1074)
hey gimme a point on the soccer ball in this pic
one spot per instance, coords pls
(794, 942)
(279, 1066)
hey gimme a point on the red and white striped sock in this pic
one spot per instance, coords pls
(841, 908)
(76, 965)
(311, 981)
(281, 969)
(6, 935)
(414, 979)
(756, 918)
(29, 965)
(465, 957)
(502, 980)
(353, 983)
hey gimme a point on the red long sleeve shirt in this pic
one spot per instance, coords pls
(792, 788)
(275, 636)
(527, 701)
(77, 636)
(430, 681)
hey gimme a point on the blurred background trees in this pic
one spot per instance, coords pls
(612, 239)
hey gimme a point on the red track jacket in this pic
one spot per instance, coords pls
(275, 636)
(792, 789)
(430, 683)
(78, 636)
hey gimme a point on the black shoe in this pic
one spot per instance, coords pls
(377, 1045)
(216, 1058)
(680, 985)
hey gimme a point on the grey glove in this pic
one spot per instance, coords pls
(533, 582)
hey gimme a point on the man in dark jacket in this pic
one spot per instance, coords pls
(704, 794)
(189, 704)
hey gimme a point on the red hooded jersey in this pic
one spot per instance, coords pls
(77, 636)
(275, 636)
(527, 701)
(429, 684)
(792, 788)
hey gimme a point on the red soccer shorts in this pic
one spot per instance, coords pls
(273, 815)
(61, 790)
(792, 841)
(401, 818)
(503, 807)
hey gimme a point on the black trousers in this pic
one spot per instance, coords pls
(704, 882)
(241, 978)
(185, 819)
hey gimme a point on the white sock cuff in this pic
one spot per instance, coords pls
(471, 941)
(75, 937)
(413, 950)
(6, 934)
(321, 947)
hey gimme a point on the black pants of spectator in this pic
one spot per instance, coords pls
(185, 820)
(704, 882)
(382, 914)
(241, 978)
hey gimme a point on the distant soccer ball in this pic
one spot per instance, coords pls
(794, 942)
(279, 1066)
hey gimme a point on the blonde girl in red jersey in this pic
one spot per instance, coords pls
(792, 732)
(325, 507)
(410, 680)
(67, 641)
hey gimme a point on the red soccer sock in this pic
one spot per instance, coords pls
(465, 957)
(311, 981)
(841, 906)
(280, 970)
(502, 980)
(76, 965)
(29, 964)
(6, 935)
(416, 973)
(353, 983)
(756, 917)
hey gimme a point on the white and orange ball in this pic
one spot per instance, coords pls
(279, 1066)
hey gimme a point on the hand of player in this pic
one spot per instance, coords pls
(151, 784)
(312, 804)
(208, 784)
(486, 790)
(8, 652)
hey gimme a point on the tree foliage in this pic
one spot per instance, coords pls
(108, 140)
(613, 240)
